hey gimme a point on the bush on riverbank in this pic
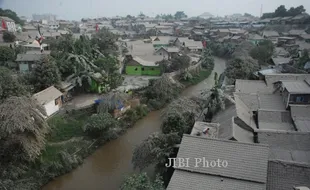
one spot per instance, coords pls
(197, 78)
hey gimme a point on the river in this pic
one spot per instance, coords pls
(107, 167)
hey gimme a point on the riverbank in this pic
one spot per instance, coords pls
(67, 145)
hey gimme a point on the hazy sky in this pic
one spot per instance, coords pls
(76, 9)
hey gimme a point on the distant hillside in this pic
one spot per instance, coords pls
(206, 15)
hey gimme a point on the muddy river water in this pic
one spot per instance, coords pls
(107, 167)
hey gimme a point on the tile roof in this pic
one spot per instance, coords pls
(252, 157)
(47, 95)
(297, 32)
(183, 180)
(271, 34)
(29, 57)
(290, 140)
(296, 86)
(252, 86)
(255, 37)
(286, 175)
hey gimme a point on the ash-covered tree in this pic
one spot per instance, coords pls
(179, 15)
(22, 129)
(263, 52)
(241, 68)
(8, 37)
(180, 63)
(207, 60)
(100, 125)
(45, 74)
(10, 85)
(155, 150)
(110, 65)
(179, 116)
(6, 54)
(303, 59)
(106, 41)
(142, 182)
(162, 91)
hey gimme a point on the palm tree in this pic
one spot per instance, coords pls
(22, 129)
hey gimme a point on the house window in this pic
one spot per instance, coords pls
(56, 102)
(142, 69)
(299, 99)
(136, 69)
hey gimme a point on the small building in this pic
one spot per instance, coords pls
(138, 66)
(35, 46)
(27, 61)
(286, 40)
(50, 99)
(271, 35)
(9, 24)
(295, 92)
(167, 52)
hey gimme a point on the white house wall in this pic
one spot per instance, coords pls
(11, 26)
(51, 108)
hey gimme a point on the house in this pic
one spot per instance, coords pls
(28, 60)
(162, 41)
(167, 52)
(286, 40)
(137, 66)
(8, 23)
(271, 35)
(296, 33)
(255, 39)
(299, 19)
(201, 153)
(189, 45)
(285, 20)
(29, 27)
(50, 98)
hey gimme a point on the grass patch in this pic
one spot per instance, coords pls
(202, 75)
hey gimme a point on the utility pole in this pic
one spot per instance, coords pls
(261, 10)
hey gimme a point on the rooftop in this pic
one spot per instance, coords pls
(49, 94)
(200, 127)
(301, 117)
(30, 57)
(296, 86)
(252, 157)
(286, 175)
(252, 86)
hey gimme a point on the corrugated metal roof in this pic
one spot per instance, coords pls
(296, 86)
(252, 86)
(301, 117)
(30, 57)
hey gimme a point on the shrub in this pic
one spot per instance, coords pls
(99, 125)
